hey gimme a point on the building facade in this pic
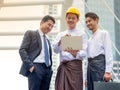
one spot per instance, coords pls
(117, 26)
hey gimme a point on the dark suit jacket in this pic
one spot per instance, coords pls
(30, 48)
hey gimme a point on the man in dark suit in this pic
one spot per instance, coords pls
(36, 55)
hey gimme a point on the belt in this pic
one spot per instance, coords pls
(43, 64)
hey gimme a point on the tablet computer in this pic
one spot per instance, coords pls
(74, 42)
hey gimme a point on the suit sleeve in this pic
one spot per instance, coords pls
(23, 51)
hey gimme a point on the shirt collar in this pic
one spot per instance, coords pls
(40, 32)
(93, 34)
(73, 30)
(96, 31)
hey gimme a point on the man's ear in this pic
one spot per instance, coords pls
(97, 20)
(78, 20)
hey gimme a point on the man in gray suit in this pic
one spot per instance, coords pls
(36, 55)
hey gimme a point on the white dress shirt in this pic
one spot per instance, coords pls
(66, 55)
(41, 58)
(100, 43)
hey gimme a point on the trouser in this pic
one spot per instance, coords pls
(95, 70)
(40, 78)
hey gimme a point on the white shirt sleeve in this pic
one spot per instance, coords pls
(82, 53)
(57, 48)
(108, 53)
(66, 55)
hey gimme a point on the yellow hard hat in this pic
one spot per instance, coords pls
(73, 10)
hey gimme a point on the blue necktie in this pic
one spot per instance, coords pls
(46, 51)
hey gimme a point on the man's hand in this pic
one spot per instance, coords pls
(59, 43)
(107, 76)
(31, 69)
(67, 35)
(73, 52)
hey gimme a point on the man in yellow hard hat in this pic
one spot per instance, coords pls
(69, 74)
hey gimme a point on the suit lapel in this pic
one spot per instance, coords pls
(39, 39)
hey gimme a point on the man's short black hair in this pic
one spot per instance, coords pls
(48, 17)
(92, 15)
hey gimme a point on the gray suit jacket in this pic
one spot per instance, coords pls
(30, 48)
